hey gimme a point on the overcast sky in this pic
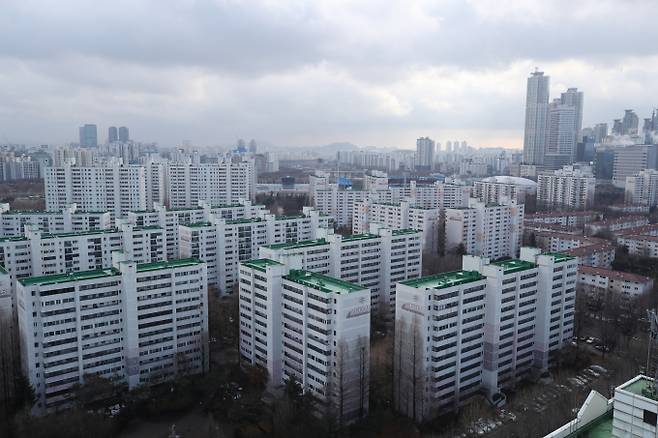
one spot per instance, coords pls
(295, 73)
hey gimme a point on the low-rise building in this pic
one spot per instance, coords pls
(615, 224)
(598, 282)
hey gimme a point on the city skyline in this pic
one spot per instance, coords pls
(310, 74)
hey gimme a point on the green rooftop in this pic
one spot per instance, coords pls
(322, 282)
(559, 257)
(288, 217)
(13, 239)
(148, 227)
(443, 280)
(600, 427)
(198, 225)
(642, 386)
(22, 212)
(178, 263)
(514, 265)
(64, 278)
(227, 206)
(184, 209)
(300, 244)
(243, 221)
(260, 264)
(404, 231)
(363, 236)
(390, 204)
(78, 233)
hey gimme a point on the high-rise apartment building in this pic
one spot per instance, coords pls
(137, 324)
(112, 134)
(497, 189)
(376, 260)
(425, 147)
(481, 329)
(576, 99)
(536, 118)
(571, 187)
(309, 327)
(399, 216)
(561, 138)
(487, 230)
(88, 136)
(630, 160)
(224, 243)
(221, 183)
(117, 189)
(642, 188)
(124, 135)
(12, 223)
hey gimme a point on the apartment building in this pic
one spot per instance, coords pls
(309, 327)
(171, 219)
(132, 323)
(569, 187)
(376, 260)
(495, 189)
(12, 222)
(640, 245)
(225, 182)
(489, 230)
(399, 216)
(642, 188)
(483, 328)
(598, 282)
(572, 219)
(224, 243)
(117, 189)
(616, 224)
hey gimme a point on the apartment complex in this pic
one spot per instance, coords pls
(399, 216)
(309, 327)
(132, 323)
(489, 325)
(224, 243)
(117, 188)
(569, 187)
(489, 230)
(12, 222)
(376, 260)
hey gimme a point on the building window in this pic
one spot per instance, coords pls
(650, 417)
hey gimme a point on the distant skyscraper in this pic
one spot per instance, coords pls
(124, 135)
(630, 122)
(575, 98)
(449, 146)
(561, 142)
(536, 117)
(424, 153)
(600, 132)
(112, 134)
(617, 127)
(88, 136)
(253, 147)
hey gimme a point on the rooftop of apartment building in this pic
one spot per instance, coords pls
(443, 280)
(511, 266)
(300, 244)
(615, 275)
(355, 237)
(321, 282)
(44, 280)
(261, 264)
(544, 214)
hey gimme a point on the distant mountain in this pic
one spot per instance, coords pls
(340, 146)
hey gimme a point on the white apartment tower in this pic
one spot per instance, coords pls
(536, 118)
(425, 147)
(490, 325)
(488, 230)
(570, 188)
(642, 189)
(561, 139)
(309, 327)
(132, 323)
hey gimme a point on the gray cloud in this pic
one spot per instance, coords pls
(296, 72)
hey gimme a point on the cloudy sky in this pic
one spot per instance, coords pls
(295, 73)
